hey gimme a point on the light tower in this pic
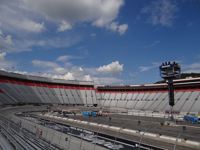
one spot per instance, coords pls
(170, 71)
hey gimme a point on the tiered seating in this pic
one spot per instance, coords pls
(186, 100)
(15, 88)
(19, 89)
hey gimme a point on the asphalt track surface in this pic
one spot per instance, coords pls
(119, 144)
(148, 124)
(162, 144)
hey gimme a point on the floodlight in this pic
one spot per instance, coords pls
(170, 71)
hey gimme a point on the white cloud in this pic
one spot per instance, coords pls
(5, 41)
(148, 68)
(44, 64)
(100, 13)
(20, 72)
(67, 58)
(87, 78)
(73, 72)
(81, 69)
(46, 43)
(67, 76)
(64, 26)
(16, 16)
(160, 12)
(145, 68)
(192, 68)
(121, 29)
(22, 18)
(63, 58)
(2, 56)
(30, 26)
(59, 70)
(53, 70)
(4, 63)
(112, 68)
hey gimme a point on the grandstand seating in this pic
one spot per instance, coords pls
(152, 97)
(16, 88)
(21, 90)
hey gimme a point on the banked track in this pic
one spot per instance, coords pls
(58, 122)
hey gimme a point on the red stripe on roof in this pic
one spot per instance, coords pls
(35, 84)
(153, 91)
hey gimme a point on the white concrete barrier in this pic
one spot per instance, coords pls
(168, 138)
(136, 132)
(65, 141)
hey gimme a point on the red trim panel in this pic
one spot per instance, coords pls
(82, 87)
(179, 90)
(29, 83)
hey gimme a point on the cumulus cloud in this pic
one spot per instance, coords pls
(100, 13)
(59, 70)
(87, 78)
(50, 66)
(112, 68)
(160, 12)
(67, 76)
(16, 16)
(31, 18)
(55, 69)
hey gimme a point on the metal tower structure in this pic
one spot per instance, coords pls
(170, 71)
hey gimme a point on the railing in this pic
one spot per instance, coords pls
(22, 139)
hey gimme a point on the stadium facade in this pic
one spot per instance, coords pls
(17, 88)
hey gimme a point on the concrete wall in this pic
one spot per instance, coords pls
(57, 138)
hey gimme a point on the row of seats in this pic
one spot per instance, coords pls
(185, 101)
(14, 93)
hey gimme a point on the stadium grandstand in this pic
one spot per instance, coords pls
(46, 113)
(152, 97)
(17, 88)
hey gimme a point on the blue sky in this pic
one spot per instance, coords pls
(110, 42)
